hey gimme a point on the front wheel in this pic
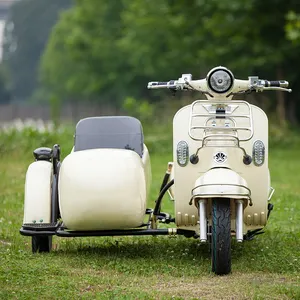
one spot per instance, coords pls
(41, 244)
(221, 236)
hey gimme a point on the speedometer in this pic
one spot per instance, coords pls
(220, 80)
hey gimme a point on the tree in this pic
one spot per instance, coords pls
(25, 35)
(115, 48)
(82, 58)
(247, 36)
(293, 26)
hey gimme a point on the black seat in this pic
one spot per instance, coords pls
(109, 132)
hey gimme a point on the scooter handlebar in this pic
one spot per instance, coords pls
(253, 83)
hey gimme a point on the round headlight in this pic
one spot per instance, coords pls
(220, 80)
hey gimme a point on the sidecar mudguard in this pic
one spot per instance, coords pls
(221, 182)
(37, 202)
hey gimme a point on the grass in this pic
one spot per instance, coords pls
(146, 267)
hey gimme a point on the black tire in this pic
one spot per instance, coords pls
(221, 236)
(41, 244)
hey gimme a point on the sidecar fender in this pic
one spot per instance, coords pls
(37, 202)
(221, 182)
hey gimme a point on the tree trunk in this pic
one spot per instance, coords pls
(291, 115)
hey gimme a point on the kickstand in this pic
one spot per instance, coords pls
(249, 236)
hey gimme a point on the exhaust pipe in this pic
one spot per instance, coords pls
(202, 220)
(239, 220)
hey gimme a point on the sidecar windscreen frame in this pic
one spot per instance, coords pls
(118, 132)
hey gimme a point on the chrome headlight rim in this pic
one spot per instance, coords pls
(212, 72)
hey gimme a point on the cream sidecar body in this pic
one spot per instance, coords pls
(102, 184)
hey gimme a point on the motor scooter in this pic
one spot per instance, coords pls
(219, 178)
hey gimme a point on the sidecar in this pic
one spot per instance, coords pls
(99, 189)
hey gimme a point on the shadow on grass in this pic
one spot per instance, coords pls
(176, 252)
(135, 247)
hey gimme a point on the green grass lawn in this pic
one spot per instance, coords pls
(150, 267)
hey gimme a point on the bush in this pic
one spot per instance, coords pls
(27, 139)
(283, 136)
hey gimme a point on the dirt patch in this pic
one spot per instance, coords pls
(234, 286)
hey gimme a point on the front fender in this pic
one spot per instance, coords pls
(221, 182)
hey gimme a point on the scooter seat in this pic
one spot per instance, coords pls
(118, 132)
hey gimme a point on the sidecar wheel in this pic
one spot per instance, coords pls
(41, 244)
(221, 236)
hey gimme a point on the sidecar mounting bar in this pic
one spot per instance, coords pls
(129, 232)
(62, 232)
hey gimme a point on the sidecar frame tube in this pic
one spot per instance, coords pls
(62, 232)
(164, 231)
(27, 232)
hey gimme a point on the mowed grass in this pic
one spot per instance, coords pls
(150, 267)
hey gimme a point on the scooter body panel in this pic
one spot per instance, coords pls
(256, 177)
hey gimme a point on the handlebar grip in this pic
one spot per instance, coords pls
(161, 84)
(277, 83)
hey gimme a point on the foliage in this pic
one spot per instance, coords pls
(282, 136)
(293, 26)
(28, 138)
(25, 35)
(82, 58)
(143, 110)
(55, 106)
(110, 53)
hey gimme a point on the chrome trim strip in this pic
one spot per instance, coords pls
(272, 190)
(230, 184)
(203, 220)
(239, 221)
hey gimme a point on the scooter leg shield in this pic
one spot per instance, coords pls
(37, 202)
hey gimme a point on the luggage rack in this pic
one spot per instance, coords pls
(230, 132)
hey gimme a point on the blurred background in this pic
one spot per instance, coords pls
(62, 60)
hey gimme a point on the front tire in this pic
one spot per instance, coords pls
(41, 244)
(221, 236)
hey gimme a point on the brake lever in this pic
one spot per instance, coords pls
(245, 92)
(277, 88)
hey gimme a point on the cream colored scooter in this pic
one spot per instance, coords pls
(221, 176)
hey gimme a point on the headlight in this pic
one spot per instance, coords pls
(220, 80)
